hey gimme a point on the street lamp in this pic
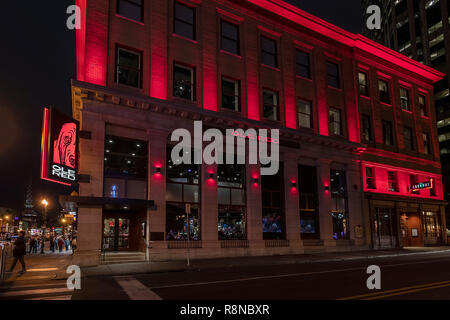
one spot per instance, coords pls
(44, 218)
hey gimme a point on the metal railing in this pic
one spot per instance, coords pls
(5, 252)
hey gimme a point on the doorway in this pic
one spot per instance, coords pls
(116, 234)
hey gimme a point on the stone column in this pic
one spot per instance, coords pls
(324, 196)
(209, 207)
(355, 204)
(90, 224)
(254, 207)
(291, 202)
(156, 220)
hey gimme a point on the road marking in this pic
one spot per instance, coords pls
(135, 289)
(288, 275)
(410, 291)
(33, 292)
(37, 285)
(42, 270)
(59, 298)
(395, 291)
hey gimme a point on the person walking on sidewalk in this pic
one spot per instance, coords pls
(52, 243)
(19, 252)
(60, 244)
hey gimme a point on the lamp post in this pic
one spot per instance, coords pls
(44, 225)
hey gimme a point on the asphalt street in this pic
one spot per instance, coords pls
(424, 276)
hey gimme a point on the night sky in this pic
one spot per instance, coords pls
(37, 61)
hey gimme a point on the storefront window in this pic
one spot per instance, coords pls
(125, 168)
(232, 202)
(431, 224)
(339, 210)
(309, 220)
(182, 188)
(272, 206)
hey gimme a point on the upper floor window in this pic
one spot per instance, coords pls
(404, 99)
(392, 181)
(304, 113)
(184, 82)
(131, 9)
(366, 128)
(269, 52)
(335, 121)
(363, 84)
(231, 94)
(184, 21)
(333, 75)
(129, 68)
(383, 87)
(370, 178)
(408, 138)
(426, 143)
(388, 135)
(230, 37)
(270, 108)
(423, 106)
(303, 64)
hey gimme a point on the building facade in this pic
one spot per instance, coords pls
(147, 68)
(420, 29)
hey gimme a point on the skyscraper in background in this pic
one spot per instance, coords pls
(420, 29)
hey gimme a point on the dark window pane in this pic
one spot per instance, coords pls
(269, 52)
(333, 75)
(183, 82)
(303, 65)
(131, 9)
(184, 29)
(129, 68)
(184, 21)
(230, 31)
(230, 46)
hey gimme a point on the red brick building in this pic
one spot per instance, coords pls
(356, 121)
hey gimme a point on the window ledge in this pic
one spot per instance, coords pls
(231, 54)
(407, 111)
(365, 97)
(303, 78)
(334, 88)
(425, 117)
(184, 38)
(128, 19)
(385, 104)
(269, 67)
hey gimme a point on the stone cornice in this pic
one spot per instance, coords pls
(82, 91)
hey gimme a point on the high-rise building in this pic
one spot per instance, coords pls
(420, 29)
(29, 215)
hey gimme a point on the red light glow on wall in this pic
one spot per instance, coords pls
(380, 173)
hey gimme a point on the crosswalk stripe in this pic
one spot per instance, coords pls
(34, 292)
(58, 298)
(135, 289)
(36, 285)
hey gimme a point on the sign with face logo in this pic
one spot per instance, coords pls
(59, 148)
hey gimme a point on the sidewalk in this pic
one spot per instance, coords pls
(172, 266)
(48, 266)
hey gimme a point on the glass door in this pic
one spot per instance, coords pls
(116, 233)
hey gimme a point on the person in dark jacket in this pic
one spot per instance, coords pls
(19, 252)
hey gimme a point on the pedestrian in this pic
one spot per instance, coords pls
(56, 242)
(19, 252)
(74, 244)
(60, 244)
(67, 243)
(52, 243)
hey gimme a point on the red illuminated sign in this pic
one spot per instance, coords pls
(59, 148)
(422, 185)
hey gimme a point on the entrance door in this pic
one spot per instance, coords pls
(116, 234)
(385, 228)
